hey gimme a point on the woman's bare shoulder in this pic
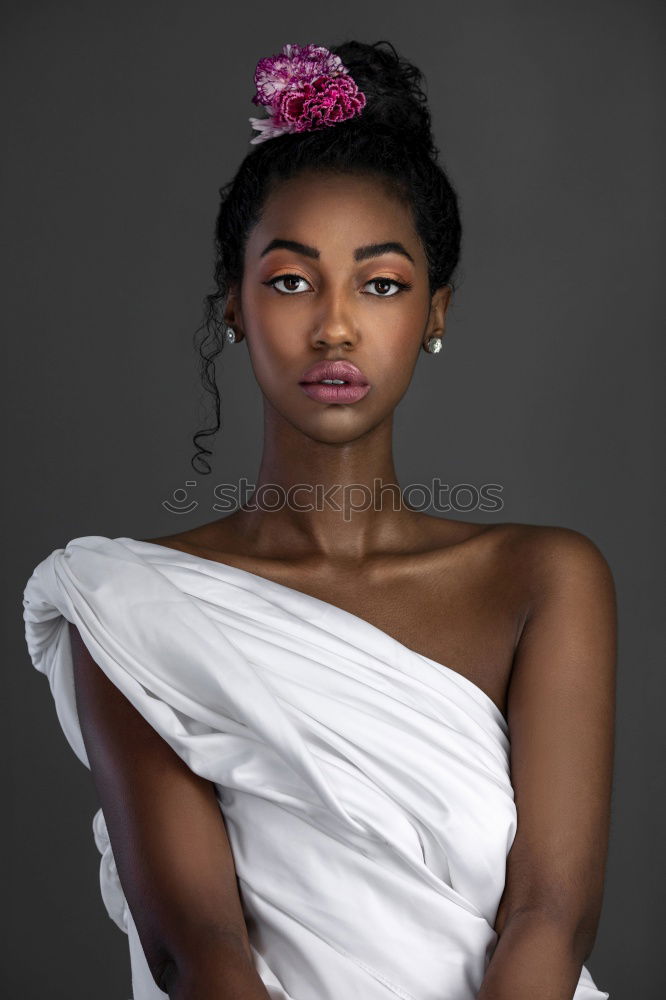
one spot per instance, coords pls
(543, 541)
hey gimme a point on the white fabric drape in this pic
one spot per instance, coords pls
(365, 787)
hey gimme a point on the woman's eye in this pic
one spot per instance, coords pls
(290, 283)
(399, 285)
(286, 278)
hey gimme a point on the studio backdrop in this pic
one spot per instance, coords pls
(122, 121)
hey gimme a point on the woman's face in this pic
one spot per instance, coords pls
(330, 299)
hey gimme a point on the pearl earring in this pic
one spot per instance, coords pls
(230, 335)
(434, 345)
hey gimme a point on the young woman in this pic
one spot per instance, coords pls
(343, 749)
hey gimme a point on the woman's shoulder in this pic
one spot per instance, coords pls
(550, 557)
(529, 557)
(539, 538)
(553, 542)
(219, 534)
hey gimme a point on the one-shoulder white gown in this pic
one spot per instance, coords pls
(365, 787)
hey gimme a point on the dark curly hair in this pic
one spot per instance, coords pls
(392, 137)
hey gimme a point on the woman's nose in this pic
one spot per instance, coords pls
(336, 326)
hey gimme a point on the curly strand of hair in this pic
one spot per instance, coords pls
(209, 347)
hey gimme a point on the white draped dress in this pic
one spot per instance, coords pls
(365, 788)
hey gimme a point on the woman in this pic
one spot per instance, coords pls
(342, 748)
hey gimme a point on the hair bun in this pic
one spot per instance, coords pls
(394, 89)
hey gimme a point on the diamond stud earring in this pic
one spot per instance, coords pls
(230, 335)
(434, 345)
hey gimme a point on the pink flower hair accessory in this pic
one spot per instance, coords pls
(305, 87)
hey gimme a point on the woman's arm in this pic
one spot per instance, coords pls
(170, 846)
(561, 714)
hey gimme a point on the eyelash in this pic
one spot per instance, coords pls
(402, 285)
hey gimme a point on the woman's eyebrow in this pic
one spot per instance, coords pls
(361, 253)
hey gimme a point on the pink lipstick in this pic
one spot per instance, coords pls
(335, 382)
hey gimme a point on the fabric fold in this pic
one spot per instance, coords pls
(365, 788)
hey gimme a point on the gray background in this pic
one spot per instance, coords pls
(123, 121)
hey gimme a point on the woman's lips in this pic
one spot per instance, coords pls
(334, 369)
(335, 381)
(334, 393)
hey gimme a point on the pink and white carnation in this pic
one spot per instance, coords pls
(305, 87)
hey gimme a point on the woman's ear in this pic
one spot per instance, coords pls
(437, 315)
(232, 312)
